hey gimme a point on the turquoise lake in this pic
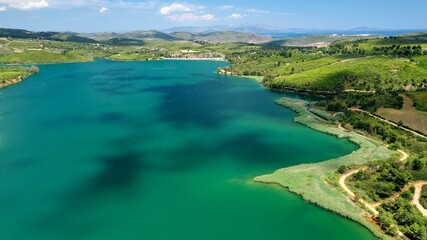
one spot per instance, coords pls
(155, 150)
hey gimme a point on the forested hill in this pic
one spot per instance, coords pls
(57, 36)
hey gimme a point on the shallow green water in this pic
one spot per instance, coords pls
(154, 150)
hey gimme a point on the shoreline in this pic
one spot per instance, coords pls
(310, 181)
(196, 59)
(14, 81)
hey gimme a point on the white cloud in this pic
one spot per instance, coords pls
(74, 3)
(194, 12)
(3, 8)
(65, 4)
(189, 17)
(26, 5)
(225, 7)
(103, 10)
(236, 16)
(175, 7)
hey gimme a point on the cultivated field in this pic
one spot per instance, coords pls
(410, 116)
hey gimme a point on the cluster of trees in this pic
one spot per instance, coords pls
(338, 48)
(353, 48)
(306, 87)
(341, 48)
(384, 131)
(387, 133)
(399, 51)
(418, 167)
(387, 223)
(401, 212)
(394, 136)
(366, 101)
(288, 52)
(346, 48)
(380, 180)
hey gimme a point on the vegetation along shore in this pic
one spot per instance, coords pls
(10, 75)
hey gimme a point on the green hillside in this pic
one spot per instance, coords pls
(316, 40)
(371, 73)
(33, 57)
(24, 34)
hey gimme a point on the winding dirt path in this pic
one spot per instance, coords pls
(342, 182)
(368, 205)
(372, 207)
(351, 194)
(417, 195)
(341, 127)
(404, 155)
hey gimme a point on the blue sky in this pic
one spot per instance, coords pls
(125, 15)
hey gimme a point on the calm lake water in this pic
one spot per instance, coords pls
(154, 150)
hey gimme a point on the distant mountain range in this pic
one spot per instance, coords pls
(260, 29)
(278, 32)
(213, 37)
(216, 34)
(137, 37)
(141, 35)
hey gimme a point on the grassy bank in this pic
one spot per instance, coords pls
(14, 74)
(311, 180)
(41, 57)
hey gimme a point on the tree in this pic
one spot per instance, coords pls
(417, 164)
(395, 146)
(361, 175)
(342, 169)
(384, 189)
(385, 220)
(416, 231)
(34, 70)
